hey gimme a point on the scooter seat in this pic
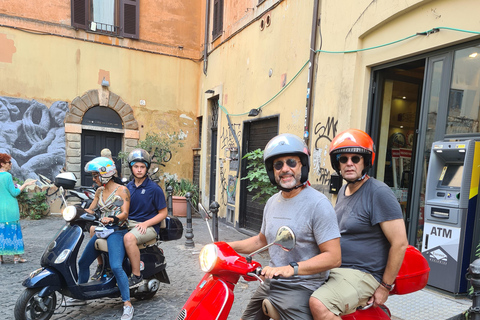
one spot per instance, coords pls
(101, 244)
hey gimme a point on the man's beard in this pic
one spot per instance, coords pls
(291, 183)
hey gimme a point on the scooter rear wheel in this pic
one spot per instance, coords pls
(30, 306)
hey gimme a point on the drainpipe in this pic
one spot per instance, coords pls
(313, 42)
(205, 43)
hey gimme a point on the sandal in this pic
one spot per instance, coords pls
(19, 260)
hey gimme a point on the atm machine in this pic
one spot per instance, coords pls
(450, 205)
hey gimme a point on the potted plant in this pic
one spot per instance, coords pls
(180, 189)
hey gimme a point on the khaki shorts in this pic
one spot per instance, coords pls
(141, 238)
(345, 290)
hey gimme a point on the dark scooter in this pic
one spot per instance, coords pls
(59, 266)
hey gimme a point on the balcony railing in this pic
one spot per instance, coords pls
(103, 28)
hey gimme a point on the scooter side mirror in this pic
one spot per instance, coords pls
(285, 238)
(203, 212)
(118, 201)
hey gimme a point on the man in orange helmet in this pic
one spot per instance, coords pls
(373, 237)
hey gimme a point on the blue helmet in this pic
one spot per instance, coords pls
(104, 166)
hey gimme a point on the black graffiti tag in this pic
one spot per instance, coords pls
(323, 176)
(325, 131)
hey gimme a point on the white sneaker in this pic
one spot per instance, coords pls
(127, 313)
(70, 302)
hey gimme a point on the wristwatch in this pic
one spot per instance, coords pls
(294, 265)
(389, 287)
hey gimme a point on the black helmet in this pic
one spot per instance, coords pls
(139, 155)
(284, 145)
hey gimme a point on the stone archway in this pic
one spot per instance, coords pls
(73, 124)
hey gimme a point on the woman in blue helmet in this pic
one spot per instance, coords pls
(103, 171)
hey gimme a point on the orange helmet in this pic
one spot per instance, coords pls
(352, 141)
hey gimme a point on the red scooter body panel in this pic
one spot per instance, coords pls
(413, 274)
(212, 299)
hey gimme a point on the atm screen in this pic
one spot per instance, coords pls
(451, 176)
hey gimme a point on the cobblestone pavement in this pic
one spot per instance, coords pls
(182, 268)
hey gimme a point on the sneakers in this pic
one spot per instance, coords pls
(71, 302)
(108, 272)
(98, 273)
(127, 313)
(135, 281)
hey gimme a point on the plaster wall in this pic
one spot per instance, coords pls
(161, 90)
(164, 27)
(342, 80)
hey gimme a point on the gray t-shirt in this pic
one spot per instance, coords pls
(311, 217)
(364, 246)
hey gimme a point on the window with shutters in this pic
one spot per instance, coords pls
(217, 18)
(112, 17)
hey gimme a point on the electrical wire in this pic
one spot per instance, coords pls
(425, 33)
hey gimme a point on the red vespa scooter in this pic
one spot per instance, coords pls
(213, 297)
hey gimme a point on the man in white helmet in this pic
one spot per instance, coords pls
(311, 217)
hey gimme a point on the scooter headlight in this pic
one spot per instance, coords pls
(69, 213)
(208, 257)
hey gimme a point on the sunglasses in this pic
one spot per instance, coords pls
(278, 165)
(10, 162)
(344, 159)
(95, 176)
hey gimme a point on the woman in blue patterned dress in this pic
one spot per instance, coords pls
(11, 239)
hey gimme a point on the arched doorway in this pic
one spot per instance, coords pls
(102, 117)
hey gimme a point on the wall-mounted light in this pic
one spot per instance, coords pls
(105, 83)
(254, 112)
(210, 91)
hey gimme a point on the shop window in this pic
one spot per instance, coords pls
(111, 17)
(217, 18)
(464, 96)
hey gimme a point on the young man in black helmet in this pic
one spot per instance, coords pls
(311, 217)
(147, 209)
(373, 233)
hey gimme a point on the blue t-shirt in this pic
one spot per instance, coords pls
(145, 201)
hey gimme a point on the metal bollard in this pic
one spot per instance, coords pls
(169, 200)
(473, 276)
(189, 231)
(214, 209)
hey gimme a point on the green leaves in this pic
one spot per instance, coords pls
(258, 177)
(33, 204)
(159, 145)
(181, 187)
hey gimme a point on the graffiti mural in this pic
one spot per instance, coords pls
(228, 145)
(34, 135)
(324, 133)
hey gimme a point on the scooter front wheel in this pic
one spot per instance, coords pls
(30, 306)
